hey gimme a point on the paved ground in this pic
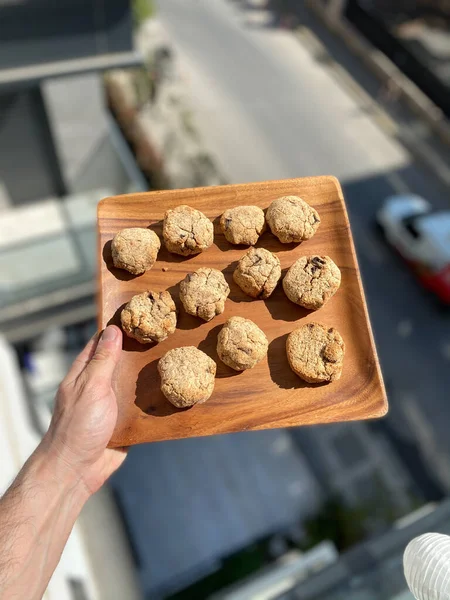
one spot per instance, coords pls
(189, 503)
(269, 109)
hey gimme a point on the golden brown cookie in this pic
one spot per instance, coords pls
(187, 231)
(316, 353)
(241, 344)
(243, 224)
(149, 317)
(187, 376)
(203, 293)
(311, 281)
(135, 249)
(258, 272)
(292, 219)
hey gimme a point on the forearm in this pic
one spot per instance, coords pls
(36, 516)
(39, 510)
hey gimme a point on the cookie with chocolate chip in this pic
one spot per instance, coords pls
(316, 353)
(187, 231)
(149, 317)
(311, 281)
(258, 272)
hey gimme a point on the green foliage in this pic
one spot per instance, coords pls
(142, 10)
(346, 525)
(234, 568)
(338, 523)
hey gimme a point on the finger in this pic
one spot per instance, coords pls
(106, 355)
(82, 359)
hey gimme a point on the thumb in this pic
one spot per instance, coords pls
(107, 353)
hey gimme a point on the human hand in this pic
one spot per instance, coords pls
(86, 413)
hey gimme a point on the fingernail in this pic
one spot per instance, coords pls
(109, 334)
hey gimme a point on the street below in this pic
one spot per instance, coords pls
(268, 109)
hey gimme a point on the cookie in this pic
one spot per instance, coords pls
(316, 353)
(243, 224)
(241, 344)
(187, 376)
(135, 249)
(311, 281)
(258, 272)
(292, 219)
(187, 231)
(149, 317)
(203, 293)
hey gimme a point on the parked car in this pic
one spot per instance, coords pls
(422, 237)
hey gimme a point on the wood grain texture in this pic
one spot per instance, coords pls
(270, 395)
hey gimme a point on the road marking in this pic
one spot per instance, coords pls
(281, 445)
(399, 185)
(366, 243)
(295, 488)
(426, 438)
(370, 249)
(404, 328)
(445, 350)
(427, 154)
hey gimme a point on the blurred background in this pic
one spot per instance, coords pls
(106, 97)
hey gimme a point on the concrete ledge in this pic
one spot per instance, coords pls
(386, 71)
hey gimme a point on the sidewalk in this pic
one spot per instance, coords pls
(381, 100)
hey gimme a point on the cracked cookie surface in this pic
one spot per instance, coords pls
(187, 376)
(311, 281)
(316, 353)
(149, 317)
(243, 224)
(241, 344)
(135, 249)
(258, 272)
(291, 219)
(204, 292)
(187, 231)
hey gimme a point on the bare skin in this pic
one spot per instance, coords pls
(71, 463)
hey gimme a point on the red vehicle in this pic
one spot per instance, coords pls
(422, 237)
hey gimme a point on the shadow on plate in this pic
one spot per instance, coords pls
(128, 344)
(209, 347)
(164, 254)
(236, 294)
(184, 320)
(280, 371)
(281, 308)
(149, 397)
(268, 241)
(120, 274)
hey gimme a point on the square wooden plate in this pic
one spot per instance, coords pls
(270, 395)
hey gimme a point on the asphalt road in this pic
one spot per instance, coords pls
(269, 109)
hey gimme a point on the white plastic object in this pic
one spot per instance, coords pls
(426, 564)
